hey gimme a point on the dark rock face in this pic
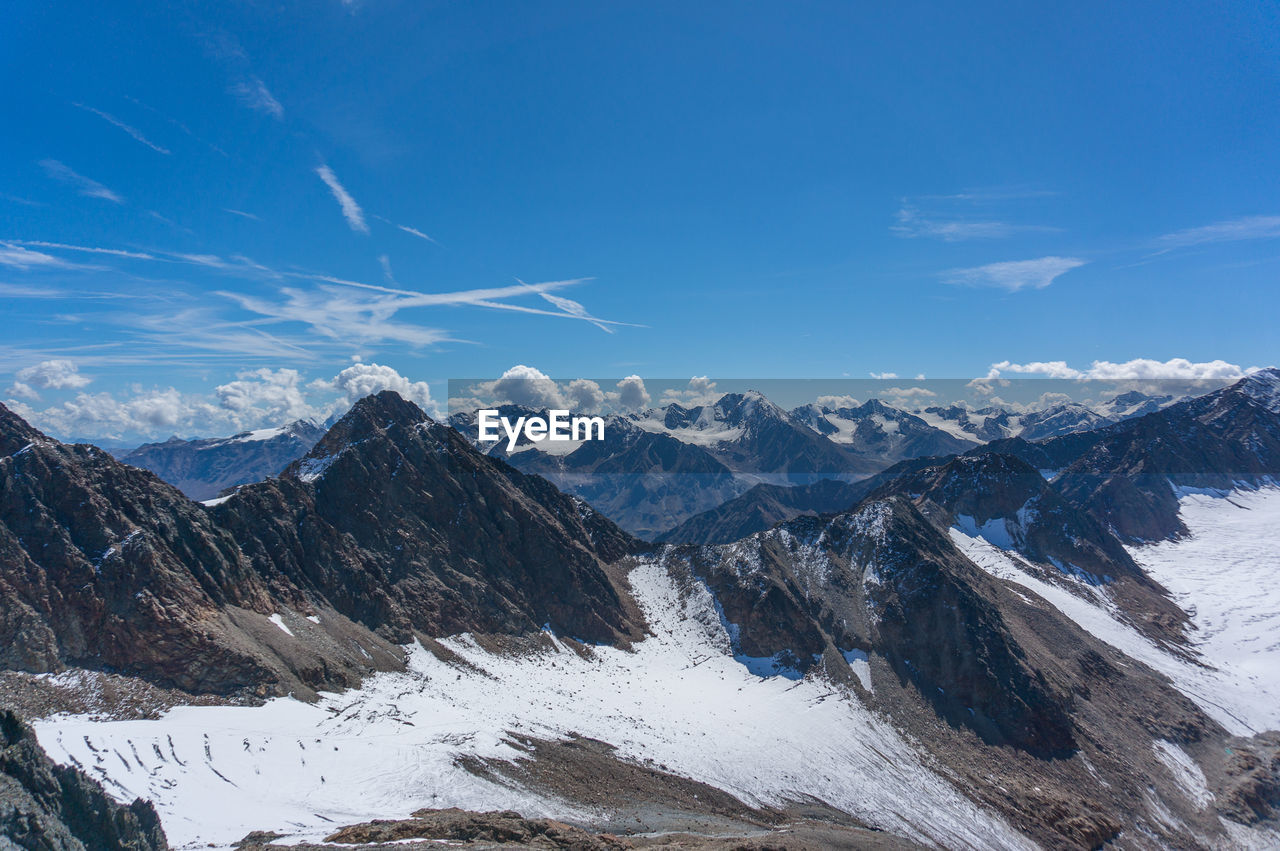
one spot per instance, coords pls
(103, 565)
(1001, 497)
(402, 526)
(106, 567)
(883, 579)
(763, 507)
(57, 808)
(1219, 441)
(393, 524)
(203, 468)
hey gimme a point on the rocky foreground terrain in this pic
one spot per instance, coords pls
(398, 627)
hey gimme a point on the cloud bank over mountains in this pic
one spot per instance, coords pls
(256, 398)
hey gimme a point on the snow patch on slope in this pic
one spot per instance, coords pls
(1243, 699)
(391, 747)
(1226, 575)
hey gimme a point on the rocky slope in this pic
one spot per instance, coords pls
(1129, 475)
(1004, 500)
(1039, 719)
(392, 526)
(762, 507)
(48, 807)
(403, 527)
(104, 566)
(205, 467)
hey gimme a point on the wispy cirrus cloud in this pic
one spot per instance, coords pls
(419, 234)
(84, 185)
(1231, 230)
(964, 216)
(88, 249)
(1014, 275)
(16, 257)
(132, 131)
(912, 224)
(241, 213)
(350, 209)
(253, 93)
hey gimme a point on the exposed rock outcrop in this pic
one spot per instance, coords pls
(48, 807)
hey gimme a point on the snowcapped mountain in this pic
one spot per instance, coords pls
(752, 435)
(877, 430)
(1132, 474)
(644, 481)
(963, 655)
(205, 467)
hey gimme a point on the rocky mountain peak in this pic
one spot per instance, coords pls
(370, 417)
(15, 433)
(1263, 387)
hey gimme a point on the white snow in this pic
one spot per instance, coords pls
(313, 468)
(995, 531)
(1224, 575)
(279, 621)
(390, 747)
(1185, 771)
(217, 500)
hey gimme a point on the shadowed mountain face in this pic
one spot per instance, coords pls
(393, 523)
(56, 807)
(1127, 476)
(403, 527)
(883, 579)
(1004, 500)
(104, 566)
(203, 468)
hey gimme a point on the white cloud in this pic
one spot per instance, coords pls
(912, 225)
(385, 262)
(350, 209)
(584, 395)
(1136, 369)
(273, 396)
(1015, 275)
(57, 374)
(701, 391)
(241, 213)
(837, 402)
(254, 94)
(254, 399)
(884, 375)
(525, 385)
(83, 185)
(132, 131)
(419, 234)
(114, 252)
(1234, 230)
(17, 257)
(632, 395)
(908, 393)
(364, 379)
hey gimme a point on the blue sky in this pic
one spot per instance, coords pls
(745, 189)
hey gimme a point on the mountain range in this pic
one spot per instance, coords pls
(966, 648)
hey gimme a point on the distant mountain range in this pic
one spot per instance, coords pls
(205, 467)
